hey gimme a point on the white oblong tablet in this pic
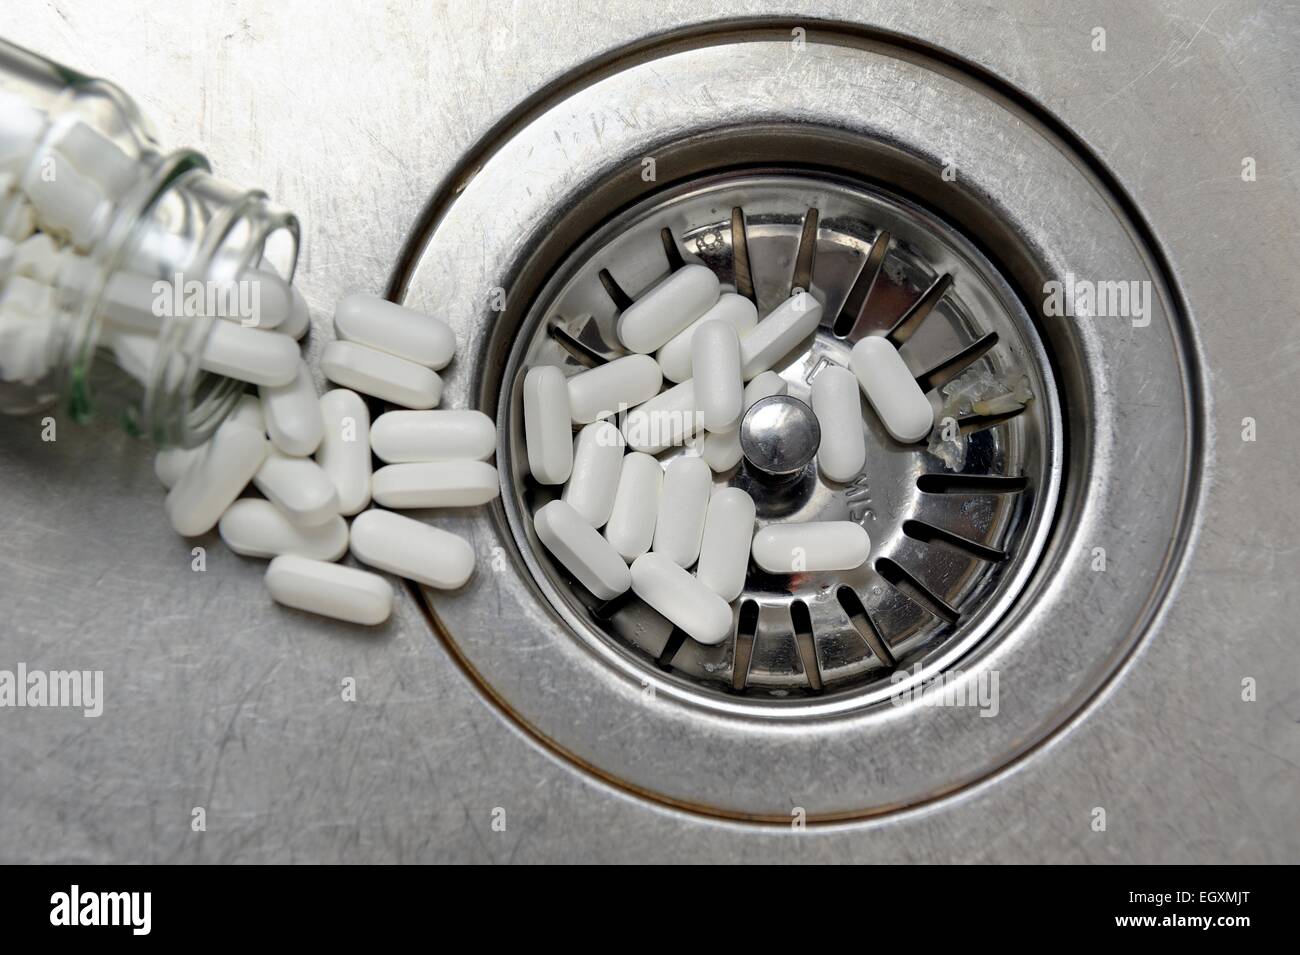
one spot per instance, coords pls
(292, 414)
(298, 320)
(264, 299)
(715, 363)
(344, 452)
(401, 331)
(838, 407)
(777, 335)
(686, 603)
(548, 427)
(435, 484)
(721, 450)
(250, 354)
(724, 552)
(665, 421)
(581, 550)
(256, 528)
(597, 461)
(248, 411)
(299, 487)
(613, 387)
(631, 525)
(811, 547)
(211, 484)
(898, 400)
(675, 356)
(404, 437)
(171, 464)
(412, 549)
(764, 385)
(667, 308)
(683, 502)
(378, 373)
(343, 593)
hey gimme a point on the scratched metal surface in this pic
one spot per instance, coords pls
(351, 114)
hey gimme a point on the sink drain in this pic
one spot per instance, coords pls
(1029, 551)
(955, 526)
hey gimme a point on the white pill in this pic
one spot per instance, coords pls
(344, 452)
(135, 353)
(721, 450)
(95, 155)
(683, 502)
(811, 547)
(248, 411)
(764, 385)
(548, 428)
(622, 383)
(675, 357)
(330, 590)
(170, 465)
(267, 302)
(724, 552)
(597, 461)
(838, 407)
(69, 205)
(298, 320)
(685, 602)
(667, 308)
(777, 335)
(38, 257)
(894, 394)
(378, 323)
(665, 421)
(250, 354)
(292, 414)
(211, 484)
(412, 549)
(715, 361)
(21, 127)
(256, 528)
(378, 373)
(631, 525)
(128, 297)
(299, 487)
(581, 550)
(435, 484)
(402, 437)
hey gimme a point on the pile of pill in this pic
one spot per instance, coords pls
(625, 521)
(310, 459)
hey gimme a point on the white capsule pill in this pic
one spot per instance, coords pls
(838, 407)
(403, 437)
(622, 383)
(897, 399)
(248, 411)
(548, 425)
(69, 205)
(412, 549)
(435, 484)
(378, 373)
(597, 461)
(292, 414)
(764, 385)
(811, 547)
(256, 528)
(581, 550)
(250, 354)
(665, 421)
(683, 502)
(675, 357)
(267, 302)
(721, 450)
(378, 323)
(298, 320)
(95, 155)
(667, 308)
(631, 525)
(228, 462)
(715, 363)
(170, 465)
(299, 487)
(724, 552)
(128, 297)
(330, 590)
(685, 602)
(344, 451)
(135, 353)
(777, 335)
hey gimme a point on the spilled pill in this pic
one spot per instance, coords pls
(299, 487)
(412, 549)
(666, 309)
(715, 366)
(378, 373)
(776, 336)
(402, 437)
(685, 602)
(292, 414)
(724, 551)
(612, 387)
(665, 421)
(256, 528)
(721, 450)
(344, 452)
(838, 406)
(683, 502)
(581, 550)
(435, 484)
(631, 524)
(330, 590)
(250, 354)
(209, 486)
(597, 461)
(897, 399)
(811, 547)
(378, 323)
(675, 356)
(170, 464)
(548, 426)
(298, 320)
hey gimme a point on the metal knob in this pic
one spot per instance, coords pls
(779, 435)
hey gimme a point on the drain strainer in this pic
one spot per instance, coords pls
(955, 525)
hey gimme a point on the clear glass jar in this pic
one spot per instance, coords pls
(103, 238)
